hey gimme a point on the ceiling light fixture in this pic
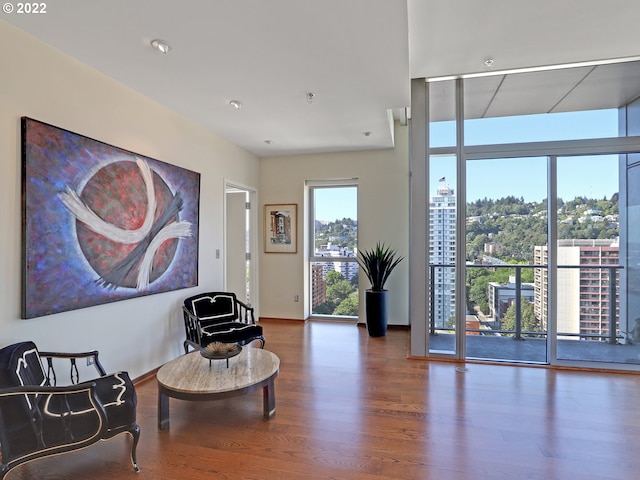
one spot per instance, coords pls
(488, 62)
(236, 104)
(161, 45)
(311, 97)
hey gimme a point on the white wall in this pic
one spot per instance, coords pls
(37, 81)
(383, 215)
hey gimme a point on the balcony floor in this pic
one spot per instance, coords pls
(534, 350)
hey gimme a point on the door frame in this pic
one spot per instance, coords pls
(252, 225)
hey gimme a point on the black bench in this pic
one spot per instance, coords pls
(40, 419)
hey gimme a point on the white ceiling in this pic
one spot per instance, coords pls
(356, 56)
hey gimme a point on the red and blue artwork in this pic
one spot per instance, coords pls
(102, 224)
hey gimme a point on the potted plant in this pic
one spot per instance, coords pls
(377, 264)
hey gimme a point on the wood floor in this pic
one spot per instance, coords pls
(354, 407)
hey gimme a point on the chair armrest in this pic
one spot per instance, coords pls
(188, 314)
(72, 357)
(245, 312)
(192, 326)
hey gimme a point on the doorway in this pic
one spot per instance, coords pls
(240, 242)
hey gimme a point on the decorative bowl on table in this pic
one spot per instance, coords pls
(220, 351)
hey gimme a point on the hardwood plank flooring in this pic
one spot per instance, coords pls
(354, 407)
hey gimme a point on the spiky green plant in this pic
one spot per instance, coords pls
(377, 264)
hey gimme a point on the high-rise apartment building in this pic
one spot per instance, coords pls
(442, 252)
(318, 286)
(585, 293)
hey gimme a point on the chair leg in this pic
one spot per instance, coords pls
(135, 437)
(262, 341)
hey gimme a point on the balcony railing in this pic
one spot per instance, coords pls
(611, 288)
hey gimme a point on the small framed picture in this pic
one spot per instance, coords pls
(280, 228)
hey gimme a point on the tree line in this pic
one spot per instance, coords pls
(515, 226)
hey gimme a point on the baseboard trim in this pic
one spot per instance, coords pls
(146, 377)
(274, 319)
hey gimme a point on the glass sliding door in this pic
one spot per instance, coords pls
(444, 321)
(535, 178)
(442, 255)
(590, 327)
(506, 226)
(630, 255)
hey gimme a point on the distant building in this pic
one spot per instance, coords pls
(585, 292)
(442, 251)
(318, 286)
(472, 324)
(503, 295)
(493, 248)
(347, 269)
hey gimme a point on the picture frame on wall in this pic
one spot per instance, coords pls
(280, 228)
(101, 224)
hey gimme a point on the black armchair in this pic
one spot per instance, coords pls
(39, 419)
(219, 317)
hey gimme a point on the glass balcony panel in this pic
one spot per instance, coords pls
(589, 265)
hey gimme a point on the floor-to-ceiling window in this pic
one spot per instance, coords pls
(333, 243)
(542, 223)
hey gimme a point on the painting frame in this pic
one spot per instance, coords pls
(101, 224)
(281, 228)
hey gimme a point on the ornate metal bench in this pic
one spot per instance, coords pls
(39, 419)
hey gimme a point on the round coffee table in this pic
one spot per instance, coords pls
(192, 377)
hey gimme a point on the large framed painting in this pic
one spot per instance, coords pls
(101, 224)
(280, 228)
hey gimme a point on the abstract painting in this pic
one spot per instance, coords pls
(101, 224)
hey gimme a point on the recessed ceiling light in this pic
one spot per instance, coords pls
(488, 62)
(161, 45)
(236, 104)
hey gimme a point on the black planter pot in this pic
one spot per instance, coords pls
(376, 310)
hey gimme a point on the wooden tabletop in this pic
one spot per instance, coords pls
(194, 374)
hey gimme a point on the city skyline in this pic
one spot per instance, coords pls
(592, 177)
(589, 176)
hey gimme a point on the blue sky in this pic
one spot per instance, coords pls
(593, 176)
(336, 203)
